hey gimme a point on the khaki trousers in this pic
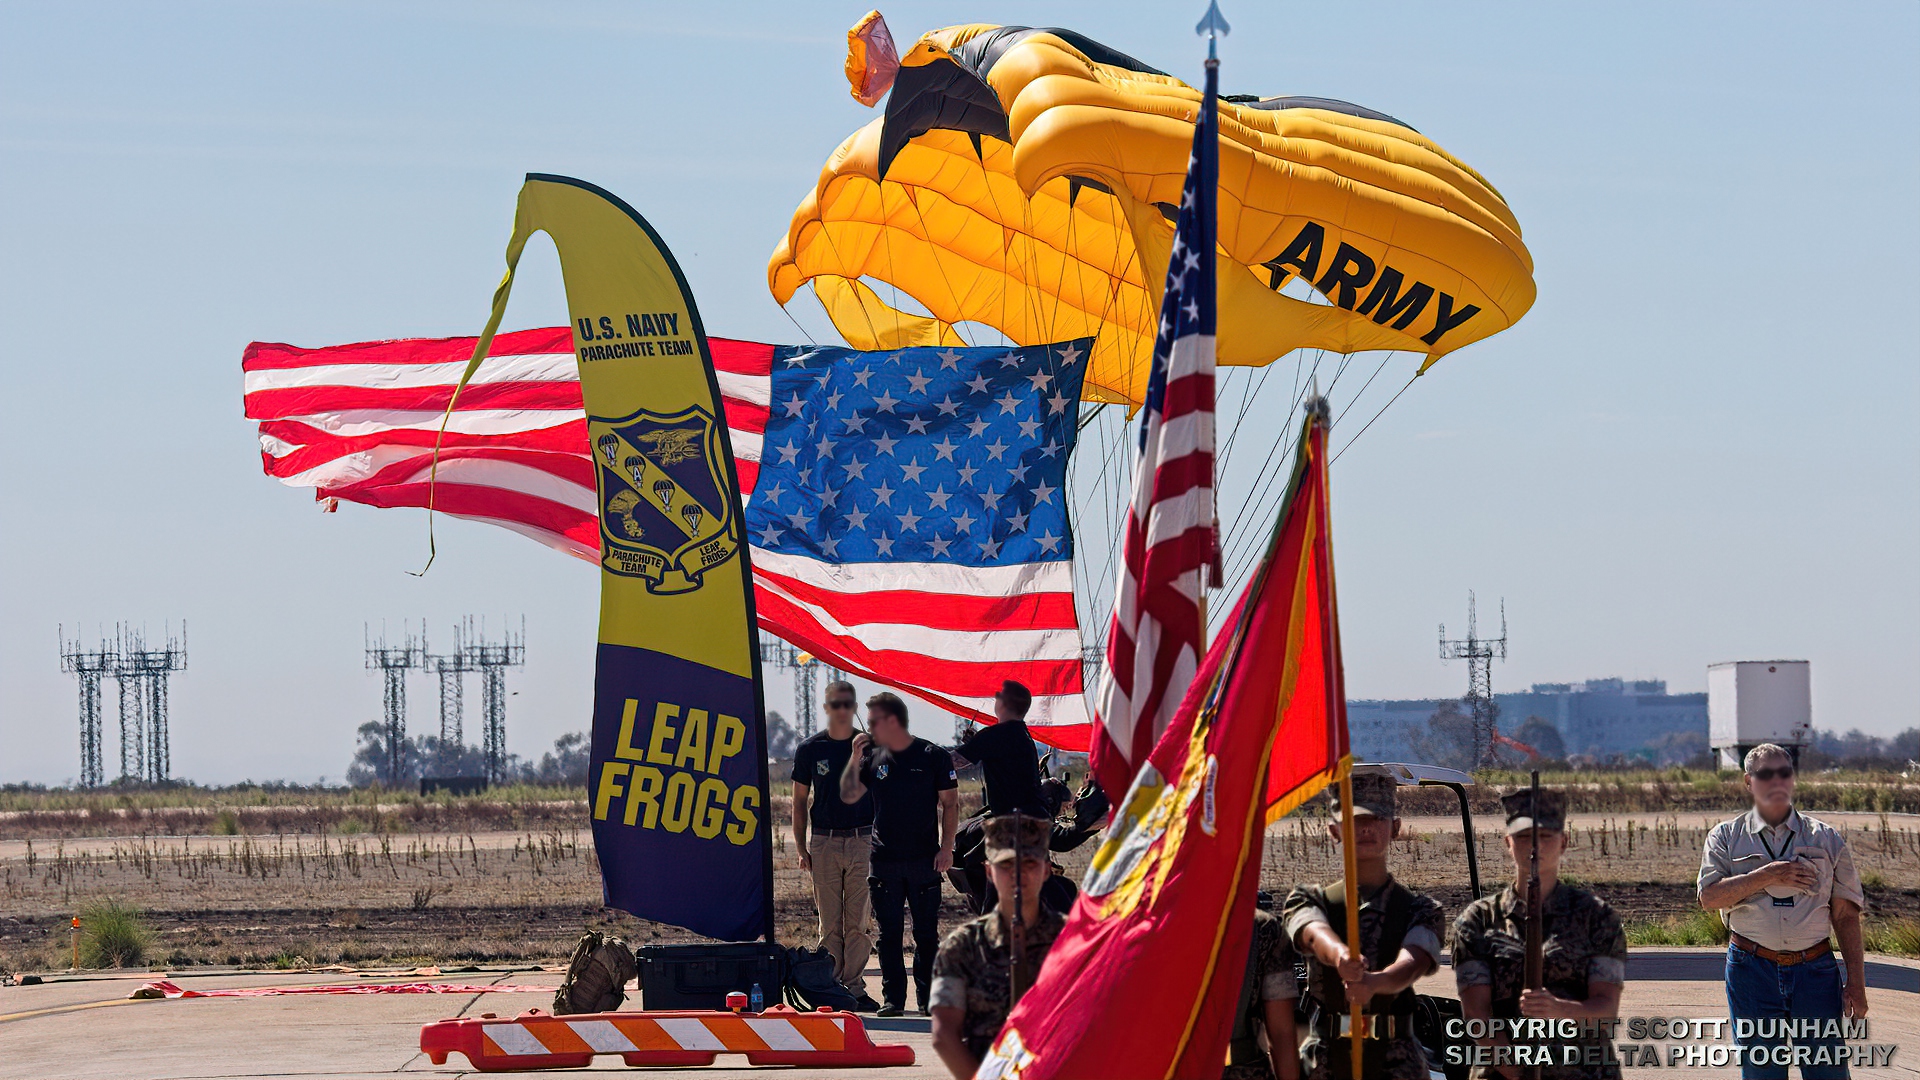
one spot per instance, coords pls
(840, 866)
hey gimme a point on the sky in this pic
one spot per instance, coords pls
(1702, 444)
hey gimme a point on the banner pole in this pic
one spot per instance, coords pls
(766, 785)
(1356, 1033)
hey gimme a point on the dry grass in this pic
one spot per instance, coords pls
(272, 878)
(293, 899)
(1671, 790)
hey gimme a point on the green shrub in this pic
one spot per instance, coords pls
(227, 824)
(1697, 927)
(112, 936)
(350, 826)
(1895, 937)
(287, 958)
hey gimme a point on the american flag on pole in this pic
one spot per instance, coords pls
(1157, 637)
(907, 510)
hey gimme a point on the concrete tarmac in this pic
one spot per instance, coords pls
(86, 1029)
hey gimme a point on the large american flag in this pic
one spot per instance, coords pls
(906, 511)
(1157, 637)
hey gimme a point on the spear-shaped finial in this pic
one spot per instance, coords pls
(1213, 26)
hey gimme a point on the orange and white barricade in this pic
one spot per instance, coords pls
(778, 1036)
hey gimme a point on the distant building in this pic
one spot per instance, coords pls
(1599, 718)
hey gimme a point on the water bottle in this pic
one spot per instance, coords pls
(755, 999)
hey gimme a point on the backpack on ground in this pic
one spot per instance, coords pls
(810, 982)
(597, 976)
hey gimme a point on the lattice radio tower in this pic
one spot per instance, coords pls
(452, 668)
(142, 675)
(806, 678)
(393, 662)
(1479, 653)
(491, 660)
(90, 667)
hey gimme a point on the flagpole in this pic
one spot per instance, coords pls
(1213, 26)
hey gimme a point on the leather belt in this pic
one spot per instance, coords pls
(1784, 959)
(1376, 1025)
(865, 830)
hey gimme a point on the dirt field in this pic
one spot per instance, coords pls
(411, 891)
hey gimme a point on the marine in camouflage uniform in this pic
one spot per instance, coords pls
(1392, 1050)
(973, 971)
(1269, 978)
(1582, 943)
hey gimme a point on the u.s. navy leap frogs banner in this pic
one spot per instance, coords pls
(679, 776)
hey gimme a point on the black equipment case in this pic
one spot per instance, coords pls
(701, 976)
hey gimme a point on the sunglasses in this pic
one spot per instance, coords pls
(1784, 772)
(840, 703)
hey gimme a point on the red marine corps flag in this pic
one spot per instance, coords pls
(1161, 929)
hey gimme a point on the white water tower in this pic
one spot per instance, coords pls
(1750, 702)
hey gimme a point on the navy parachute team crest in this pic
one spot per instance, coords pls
(666, 502)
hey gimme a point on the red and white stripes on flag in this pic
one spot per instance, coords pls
(1159, 627)
(358, 423)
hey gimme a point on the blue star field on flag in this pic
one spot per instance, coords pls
(920, 455)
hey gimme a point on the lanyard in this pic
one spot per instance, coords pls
(1788, 846)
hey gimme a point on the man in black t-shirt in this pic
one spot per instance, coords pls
(916, 811)
(841, 841)
(1008, 759)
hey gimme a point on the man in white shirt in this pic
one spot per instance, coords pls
(1783, 882)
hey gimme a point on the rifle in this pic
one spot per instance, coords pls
(1017, 979)
(1532, 973)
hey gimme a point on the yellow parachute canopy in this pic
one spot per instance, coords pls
(1025, 179)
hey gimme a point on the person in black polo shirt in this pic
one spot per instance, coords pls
(916, 811)
(837, 853)
(1008, 760)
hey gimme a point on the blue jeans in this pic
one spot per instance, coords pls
(1760, 990)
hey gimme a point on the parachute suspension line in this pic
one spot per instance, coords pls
(1114, 436)
(1115, 468)
(1376, 416)
(827, 235)
(1243, 558)
(926, 234)
(1363, 389)
(1251, 388)
(1008, 257)
(1095, 496)
(1345, 359)
(797, 326)
(1243, 534)
(1243, 544)
(1060, 280)
(1122, 459)
(1114, 464)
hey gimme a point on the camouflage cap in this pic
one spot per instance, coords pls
(1522, 814)
(1374, 793)
(1011, 835)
